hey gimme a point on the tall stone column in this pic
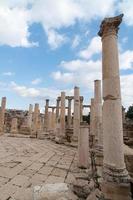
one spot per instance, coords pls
(2, 114)
(114, 170)
(30, 113)
(35, 124)
(76, 117)
(92, 123)
(53, 119)
(57, 110)
(69, 117)
(98, 114)
(46, 117)
(62, 116)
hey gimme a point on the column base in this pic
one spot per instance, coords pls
(112, 174)
(115, 191)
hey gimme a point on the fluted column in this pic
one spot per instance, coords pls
(114, 170)
(69, 119)
(46, 117)
(62, 115)
(76, 117)
(2, 114)
(98, 114)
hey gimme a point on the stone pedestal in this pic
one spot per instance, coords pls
(114, 170)
(2, 114)
(83, 146)
(76, 117)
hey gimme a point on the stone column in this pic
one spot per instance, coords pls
(62, 116)
(14, 126)
(83, 146)
(92, 123)
(2, 114)
(114, 170)
(46, 117)
(53, 119)
(35, 121)
(98, 115)
(57, 110)
(69, 117)
(76, 117)
(81, 109)
(30, 116)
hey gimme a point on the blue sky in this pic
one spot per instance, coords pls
(48, 46)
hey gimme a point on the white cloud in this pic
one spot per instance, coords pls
(8, 73)
(36, 81)
(127, 89)
(81, 65)
(55, 39)
(126, 60)
(16, 18)
(126, 7)
(94, 47)
(14, 27)
(63, 77)
(76, 41)
(25, 91)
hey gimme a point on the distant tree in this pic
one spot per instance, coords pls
(130, 112)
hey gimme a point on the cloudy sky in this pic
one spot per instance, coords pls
(47, 46)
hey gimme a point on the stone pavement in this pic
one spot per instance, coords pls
(26, 162)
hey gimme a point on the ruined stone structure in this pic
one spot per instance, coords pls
(91, 153)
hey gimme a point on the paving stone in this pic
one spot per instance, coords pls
(21, 181)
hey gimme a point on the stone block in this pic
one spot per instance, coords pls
(59, 191)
